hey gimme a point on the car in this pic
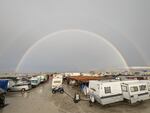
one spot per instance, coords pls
(20, 87)
(2, 98)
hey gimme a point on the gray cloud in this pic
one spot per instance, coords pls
(124, 23)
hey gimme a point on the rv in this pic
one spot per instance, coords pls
(35, 81)
(105, 92)
(148, 85)
(57, 82)
(43, 78)
(135, 91)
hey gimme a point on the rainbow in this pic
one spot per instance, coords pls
(37, 43)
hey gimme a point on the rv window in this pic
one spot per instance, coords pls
(134, 89)
(19, 85)
(57, 81)
(34, 81)
(148, 87)
(142, 87)
(107, 90)
(124, 88)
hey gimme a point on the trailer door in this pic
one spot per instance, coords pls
(125, 91)
(97, 89)
(134, 93)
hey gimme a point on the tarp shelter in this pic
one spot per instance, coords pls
(4, 84)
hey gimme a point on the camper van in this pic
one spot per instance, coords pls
(35, 81)
(57, 84)
(43, 78)
(105, 92)
(135, 91)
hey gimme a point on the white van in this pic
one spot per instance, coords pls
(35, 81)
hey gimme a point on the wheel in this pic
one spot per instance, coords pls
(2, 101)
(129, 101)
(90, 103)
(2, 104)
(8, 90)
(61, 91)
(75, 101)
(53, 91)
(23, 90)
(92, 99)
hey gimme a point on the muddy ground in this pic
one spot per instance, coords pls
(41, 100)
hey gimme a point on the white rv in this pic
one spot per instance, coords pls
(35, 81)
(148, 85)
(57, 81)
(105, 92)
(135, 91)
(43, 78)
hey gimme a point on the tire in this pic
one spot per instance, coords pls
(53, 91)
(2, 103)
(92, 99)
(90, 103)
(129, 101)
(61, 91)
(23, 90)
(75, 101)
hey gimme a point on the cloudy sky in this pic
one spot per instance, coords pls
(73, 35)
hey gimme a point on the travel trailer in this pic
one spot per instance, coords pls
(105, 92)
(135, 91)
(57, 84)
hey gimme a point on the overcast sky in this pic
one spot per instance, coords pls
(123, 23)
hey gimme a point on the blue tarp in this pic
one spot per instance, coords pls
(4, 84)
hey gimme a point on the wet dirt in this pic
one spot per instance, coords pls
(41, 100)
